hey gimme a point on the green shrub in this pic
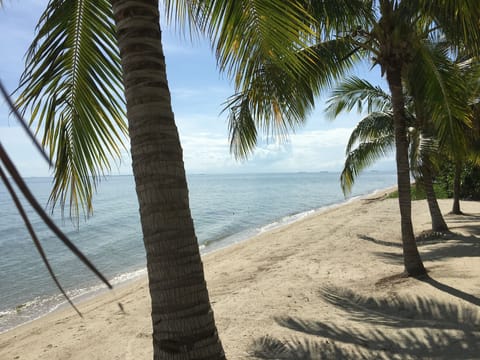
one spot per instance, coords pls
(469, 180)
(417, 192)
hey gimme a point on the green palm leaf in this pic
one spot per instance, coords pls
(338, 17)
(459, 21)
(277, 103)
(72, 89)
(274, 103)
(435, 81)
(423, 151)
(241, 126)
(332, 60)
(371, 127)
(247, 33)
(363, 156)
(357, 93)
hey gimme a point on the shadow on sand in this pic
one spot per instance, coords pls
(450, 246)
(461, 221)
(453, 245)
(392, 328)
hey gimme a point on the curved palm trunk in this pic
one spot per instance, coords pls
(411, 257)
(456, 188)
(182, 318)
(438, 222)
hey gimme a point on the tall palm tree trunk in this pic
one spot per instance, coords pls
(182, 318)
(438, 222)
(411, 257)
(456, 188)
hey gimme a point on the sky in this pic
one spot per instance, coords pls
(198, 92)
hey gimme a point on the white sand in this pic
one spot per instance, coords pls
(308, 285)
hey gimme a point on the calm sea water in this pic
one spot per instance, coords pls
(225, 208)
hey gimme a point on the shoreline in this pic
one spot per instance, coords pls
(323, 263)
(286, 221)
(140, 274)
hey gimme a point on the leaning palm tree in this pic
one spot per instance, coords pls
(373, 138)
(72, 88)
(392, 34)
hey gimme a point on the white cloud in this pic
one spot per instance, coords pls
(320, 150)
(205, 152)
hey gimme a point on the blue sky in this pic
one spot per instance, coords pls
(198, 91)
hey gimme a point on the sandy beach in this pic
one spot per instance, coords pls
(324, 287)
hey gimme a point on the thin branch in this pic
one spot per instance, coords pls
(33, 235)
(24, 124)
(46, 219)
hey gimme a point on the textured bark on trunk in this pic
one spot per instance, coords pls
(411, 257)
(182, 318)
(438, 222)
(456, 189)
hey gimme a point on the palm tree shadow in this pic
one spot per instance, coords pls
(471, 229)
(393, 328)
(379, 242)
(463, 218)
(451, 290)
(451, 245)
(464, 222)
(269, 347)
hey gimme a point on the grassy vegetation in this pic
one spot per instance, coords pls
(418, 193)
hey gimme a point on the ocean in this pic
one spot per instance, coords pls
(226, 209)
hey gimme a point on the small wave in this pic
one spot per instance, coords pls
(6, 312)
(43, 305)
(128, 276)
(289, 219)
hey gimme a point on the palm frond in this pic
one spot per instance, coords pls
(339, 17)
(436, 81)
(423, 150)
(241, 126)
(459, 21)
(246, 33)
(274, 103)
(6, 162)
(371, 127)
(72, 89)
(363, 156)
(354, 92)
(278, 66)
(332, 60)
(186, 16)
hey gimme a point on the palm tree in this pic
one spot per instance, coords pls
(72, 86)
(392, 34)
(182, 318)
(460, 161)
(470, 75)
(373, 138)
